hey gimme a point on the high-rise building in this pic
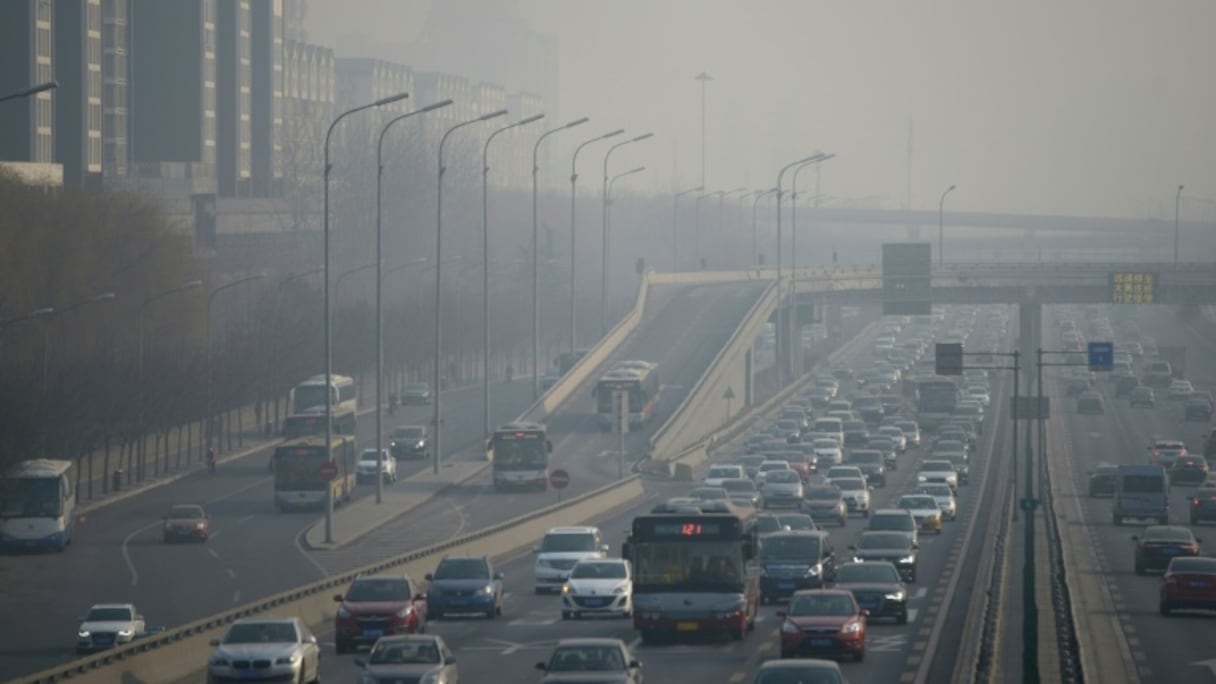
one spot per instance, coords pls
(26, 58)
(308, 109)
(78, 110)
(115, 47)
(233, 98)
(266, 107)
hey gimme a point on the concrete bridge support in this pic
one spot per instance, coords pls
(1030, 322)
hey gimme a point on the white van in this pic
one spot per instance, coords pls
(1141, 491)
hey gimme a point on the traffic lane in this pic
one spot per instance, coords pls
(116, 554)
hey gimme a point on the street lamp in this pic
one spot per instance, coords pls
(781, 332)
(704, 78)
(485, 258)
(760, 194)
(700, 258)
(941, 208)
(1177, 205)
(604, 233)
(536, 256)
(675, 224)
(34, 90)
(139, 367)
(721, 224)
(573, 192)
(796, 362)
(437, 394)
(210, 304)
(46, 349)
(328, 361)
(607, 224)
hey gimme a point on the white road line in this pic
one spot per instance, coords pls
(912, 613)
(231, 573)
(214, 553)
(236, 596)
(126, 554)
(304, 552)
(920, 593)
(242, 521)
(633, 645)
(215, 534)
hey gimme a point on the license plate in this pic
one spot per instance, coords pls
(1170, 552)
(1200, 585)
(593, 602)
(686, 627)
(785, 585)
(249, 674)
(821, 643)
(373, 632)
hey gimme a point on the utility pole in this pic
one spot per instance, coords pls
(704, 78)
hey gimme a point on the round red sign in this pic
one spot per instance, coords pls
(328, 470)
(559, 479)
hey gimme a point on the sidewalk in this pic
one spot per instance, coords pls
(354, 520)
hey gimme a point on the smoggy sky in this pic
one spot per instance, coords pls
(1087, 107)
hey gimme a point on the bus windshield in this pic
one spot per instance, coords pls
(704, 566)
(308, 396)
(24, 497)
(515, 453)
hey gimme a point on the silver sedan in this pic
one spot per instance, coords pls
(260, 649)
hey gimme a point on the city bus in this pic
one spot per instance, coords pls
(640, 379)
(37, 505)
(519, 453)
(306, 404)
(691, 572)
(936, 398)
(297, 472)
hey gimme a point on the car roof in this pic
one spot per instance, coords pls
(465, 557)
(586, 529)
(112, 605)
(799, 663)
(590, 641)
(818, 534)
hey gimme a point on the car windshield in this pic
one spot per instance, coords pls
(824, 493)
(891, 431)
(849, 484)
(936, 466)
(783, 476)
(108, 615)
(704, 494)
(917, 502)
(416, 387)
(392, 652)
(936, 490)
(599, 570)
(867, 572)
(587, 659)
(801, 548)
(767, 523)
(892, 521)
(379, 589)
(800, 674)
(825, 444)
(261, 633)
(884, 540)
(409, 433)
(575, 542)
(723, 471)
(1168, 534)
(462, 569)
(868, 457)
(831, 605)
(1200, 564)
(739, 486)
(186, 512)
(368, 455)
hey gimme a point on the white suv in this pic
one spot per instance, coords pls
(560, 549)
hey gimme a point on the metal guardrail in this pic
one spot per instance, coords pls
(151, 643)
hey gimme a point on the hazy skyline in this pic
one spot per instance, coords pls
(1096, 107)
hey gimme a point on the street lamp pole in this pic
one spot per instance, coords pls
(536, 255)
(796, 361)
(573, 193)
(436, 452)
(139, 364)
(941, 222)
(604, 233)
(760, 194)
(328, 360)
(380, 282)
(485, 270)
(210, 387)
(721, 225)
(704, 78)
(781, 332)
(34, 90)
(607, 226)
(675, 225)
(696, 229)
(1177, 206)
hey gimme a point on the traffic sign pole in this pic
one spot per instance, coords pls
(559, 479)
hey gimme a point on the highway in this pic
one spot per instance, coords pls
(1165, 649)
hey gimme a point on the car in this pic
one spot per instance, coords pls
(410, 658)
(770, 465)
(808, 670)
(978, 393)
(944, 496)
(823, 622)
(869, 408)
(1198, 407)
(924, 510)
(911, 430)
(959, 461)
(847, 470)
(1157, 373)
(1188, 470)
(895, 547)
(1103, 480)
(796, 414)
(856, 494)
(782, 488)
(878, 588)
(895, 520)
(107, 625)
(1179, 390)
(798, 460)
(378, 605)
(1203, 504)
(890, 452)
(366, 467)
(896, 435)
(827, 452)
(1188, 584)
(751, 464)
(1090, 403)
(1124, 384)
(416, 393)
(549, 379)
(1166, 451)
(187, 522)
(856, 433)
(601, 586)
(1074, 385)
(717, 473)
(825, 502)
(410, 441)
(871, 463)
(266, 649)
(1142, 397)
(743, 491)
(591, 659)
(464, 584)
(768, 523)
(937, 471)
(1158, 544)
(961, 429)
(789, 430)
(709, 494)
(791, 560)
(561, 548)
(951, 441)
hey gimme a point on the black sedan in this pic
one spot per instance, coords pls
(1189, 470)
(878, 588)
(896, 548)
(1159, 544)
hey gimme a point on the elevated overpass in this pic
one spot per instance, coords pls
(1045, 223)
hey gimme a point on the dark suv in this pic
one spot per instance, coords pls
(790, 561)
(375, 606)
(410, 441)
(465, 584)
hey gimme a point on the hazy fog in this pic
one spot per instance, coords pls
(1091, 107)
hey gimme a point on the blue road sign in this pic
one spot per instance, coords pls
(1101, 356)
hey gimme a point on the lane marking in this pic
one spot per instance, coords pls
(304, 552)
(215, 534)
(231, 573)
(236, 596)
(920, 593)
(736, 678)
(126, 553)
(245, 519)
(213, 553)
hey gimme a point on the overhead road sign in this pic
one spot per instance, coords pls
(1128, 287)
(1101, 356)
(948, 358)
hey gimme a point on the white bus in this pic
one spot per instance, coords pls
(307, 406)
(37, 505)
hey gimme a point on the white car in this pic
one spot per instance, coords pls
(559, 551)
(717, 474)
(856, 494)
(782, 488)
(842, 471)
(827, 452)
(937, 472)
(598, 587)
(282, 649)
(365, 468)
(1180, 389)
(944, 497)
(107, 625)
(766, 467)
(979, 394)
(924, 510)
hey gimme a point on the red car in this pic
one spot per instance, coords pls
(1189, 584)
(376, 606)
(187, 523)
(823, 622)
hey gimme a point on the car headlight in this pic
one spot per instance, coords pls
(895, 596)
(907, 560)
(288, 660)
(790, 628)
(567, 589)
(621, 589)
(488, 589)
(858, 559)
(812, 571)
(405, 612)
(199, 526)
(82, 634)
(125, 632)
(432, 677)
(851, 628)
(920, 477)
(343, 612)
